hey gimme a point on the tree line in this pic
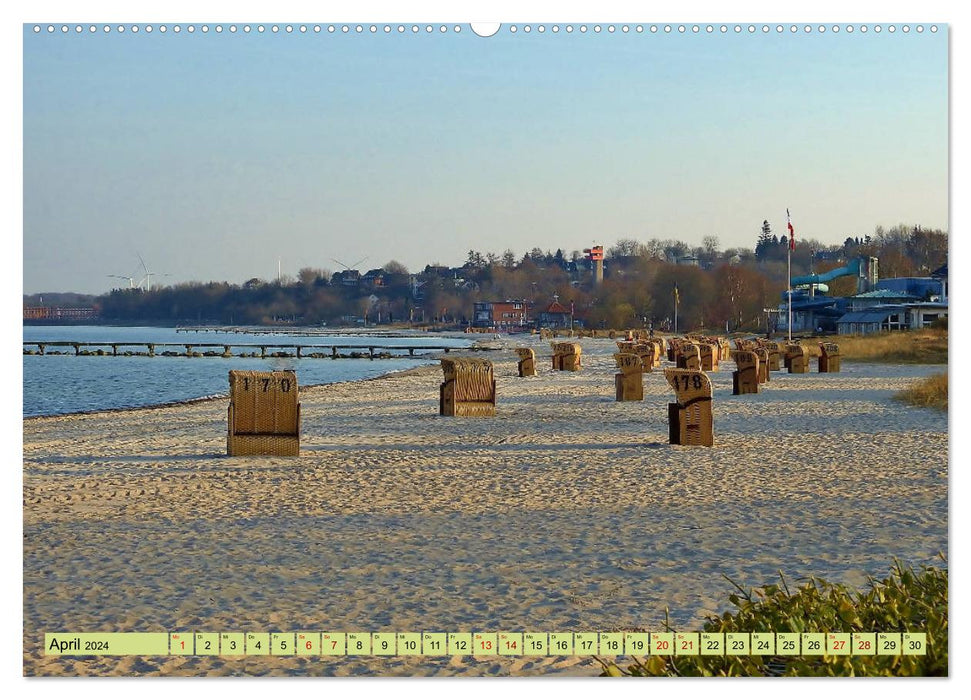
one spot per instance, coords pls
(716, 288)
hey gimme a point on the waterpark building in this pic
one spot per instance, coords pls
(901, 303)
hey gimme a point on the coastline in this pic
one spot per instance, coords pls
(216, 397)
(567, 511)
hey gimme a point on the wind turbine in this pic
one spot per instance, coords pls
(131, 280)
(350, 267)
(147, 279)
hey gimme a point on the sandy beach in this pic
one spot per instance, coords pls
(567, 511)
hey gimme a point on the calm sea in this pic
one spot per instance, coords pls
(58, 384)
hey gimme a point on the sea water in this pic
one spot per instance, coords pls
(60, 384)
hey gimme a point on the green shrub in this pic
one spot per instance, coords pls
(905, 602)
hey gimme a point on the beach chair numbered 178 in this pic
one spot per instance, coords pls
(690, 419)
(264, 414)
(469, 388)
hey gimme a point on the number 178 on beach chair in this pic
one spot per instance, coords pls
(264, 414)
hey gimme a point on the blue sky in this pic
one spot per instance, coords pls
(213, 156)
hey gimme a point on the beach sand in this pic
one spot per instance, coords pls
(567, 511)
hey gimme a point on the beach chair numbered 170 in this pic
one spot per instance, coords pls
(690, 420)
(469, 388)
(264, 414)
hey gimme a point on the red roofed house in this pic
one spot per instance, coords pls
(555, 316)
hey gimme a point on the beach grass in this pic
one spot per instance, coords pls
(927, 346)
(906, 601)
(930, 392)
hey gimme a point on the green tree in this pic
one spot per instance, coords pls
(765, 241)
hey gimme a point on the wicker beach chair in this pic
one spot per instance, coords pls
(469, 388)
(690, 419)
(745, 380)
(629, 382)
(264, 414)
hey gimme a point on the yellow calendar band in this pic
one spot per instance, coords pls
(485, 644)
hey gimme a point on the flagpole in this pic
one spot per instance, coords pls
(789, 268)
(675, 309)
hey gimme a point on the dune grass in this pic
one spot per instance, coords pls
(930, 392)
(906, 601)
(928, 346)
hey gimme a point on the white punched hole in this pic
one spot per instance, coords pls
(485, 29)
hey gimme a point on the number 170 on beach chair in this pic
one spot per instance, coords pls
(264, 414)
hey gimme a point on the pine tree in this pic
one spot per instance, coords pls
(766, 241)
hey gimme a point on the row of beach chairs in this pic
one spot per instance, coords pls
(264, 413)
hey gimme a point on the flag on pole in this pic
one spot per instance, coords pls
(792, 233)
(677, 299)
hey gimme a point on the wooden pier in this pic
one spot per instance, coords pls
(304, 331)
(262, 350)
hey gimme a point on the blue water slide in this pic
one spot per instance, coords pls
(851, 268)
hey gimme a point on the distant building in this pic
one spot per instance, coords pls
(346, 278)
(554, 316)
(373, 278)
(940, 274)
(442, 271)
(925, 288)
(501, 315)
(58, 313)
(898, 303)
(37, 312)
(879, 297)
(891, 317)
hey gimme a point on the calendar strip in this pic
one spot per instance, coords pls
(485, 644)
